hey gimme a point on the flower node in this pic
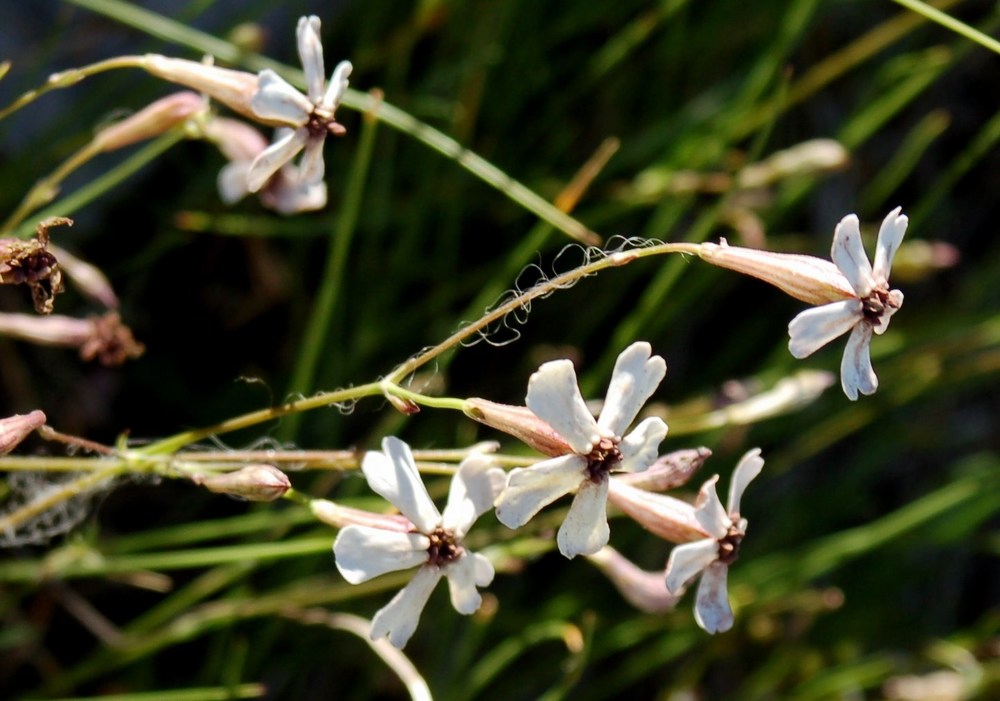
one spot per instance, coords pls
(444, 548)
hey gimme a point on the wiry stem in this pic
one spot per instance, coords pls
(540, 290)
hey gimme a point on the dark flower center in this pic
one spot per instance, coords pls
(729, 544)
(604, 458)
(321, 123)
(444, 548)
(875, 305)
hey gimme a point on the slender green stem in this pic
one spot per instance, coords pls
(208, 693)
(474, 163)
(53, 497)
(417, 398)
(97, 187)
(332, 285)
(957, 26)
(542, 289)
(323, 399)
(46, 189)
(67, 78)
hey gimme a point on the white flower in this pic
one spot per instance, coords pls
(598, 447)
(712, 556)
(311, 116)
(435, 543)
(866, 312)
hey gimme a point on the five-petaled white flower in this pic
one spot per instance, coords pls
(867, 311)
(712, 556)
(598, 447)
(311, 117)
(434, 543)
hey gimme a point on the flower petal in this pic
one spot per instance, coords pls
(312, 167)
(232, 182)
(709, 511)
(337, 87)
(393, 475)
(311, 55)
(890, 235)
(585, 530)
(474, 488)
(399, 618)
(848, 253)
(554, 397)
(686, 561)
(463, 577)
(746, 470)
(711, 607)
(278, 101)
(892, 306)
(636, 376)
(362, 552)
(856, 372)
(284, 194)
(814, 328)
(641, 446)
(530, 488)
(274, 157)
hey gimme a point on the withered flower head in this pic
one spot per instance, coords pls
(104, 338)
(31, 263)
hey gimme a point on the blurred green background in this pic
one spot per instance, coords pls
(873, 542)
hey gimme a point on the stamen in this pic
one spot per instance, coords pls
(729, 544)
(444, 548)
(603, 459)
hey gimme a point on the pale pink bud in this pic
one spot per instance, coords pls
(232, 88)
(520, 422)
(669, 518)
(340, 516)
(404, 406)
(238, 141)
(669, 471)
(15, 429)
(151, 121)
(806, 158)
(810, 279)
(647, 591)
(253, 483)
(86, 277)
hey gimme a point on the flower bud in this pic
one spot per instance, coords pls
(15, 429)
(669, 471)
(339, 516)
(404, 406)
(253, 483)
(669, 518)
(86, 277)
(810, 279)
(520, 422)
(647, 591)
(238, 141)
(153, 120)
(806, 158)
(232, 88)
